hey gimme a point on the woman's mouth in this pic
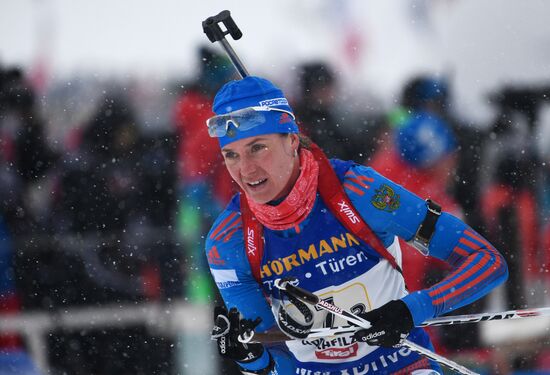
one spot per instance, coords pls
(257, 183)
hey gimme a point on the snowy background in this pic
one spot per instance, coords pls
(73, 51)
(376, 45)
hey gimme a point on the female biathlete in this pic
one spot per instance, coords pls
(332, 227)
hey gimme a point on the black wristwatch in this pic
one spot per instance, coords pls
(426, 230)
(265, 371)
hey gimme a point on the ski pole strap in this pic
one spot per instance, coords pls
(313, 299)
(333, 194)
(302, 307)
(288, 324)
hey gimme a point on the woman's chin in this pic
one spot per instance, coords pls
(260, 194)
(260, 197)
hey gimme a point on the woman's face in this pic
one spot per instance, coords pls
(264, 166)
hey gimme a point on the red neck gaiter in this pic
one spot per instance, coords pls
(298, 203)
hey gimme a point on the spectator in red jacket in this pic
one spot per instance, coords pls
(198, 166)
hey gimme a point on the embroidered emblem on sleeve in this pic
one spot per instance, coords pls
(385, 199)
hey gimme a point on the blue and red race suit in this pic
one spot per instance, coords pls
(330, 261)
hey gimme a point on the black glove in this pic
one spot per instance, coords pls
(227, 328)
(391, 324)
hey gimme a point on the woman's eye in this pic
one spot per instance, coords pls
(257, 147)
(230, 155)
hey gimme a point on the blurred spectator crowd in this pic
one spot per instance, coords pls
(115, 211)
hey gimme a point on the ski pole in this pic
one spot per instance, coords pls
(214, 32)
(312, 299)
(444, 320)
(485, 317)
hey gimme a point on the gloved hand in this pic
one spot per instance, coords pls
(390, 325)
(227, 328)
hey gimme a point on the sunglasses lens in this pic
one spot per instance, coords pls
(250, 119)
(242, 119)
(216, 126)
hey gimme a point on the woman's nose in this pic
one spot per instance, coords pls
(247, 165)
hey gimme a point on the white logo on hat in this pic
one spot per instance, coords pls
(273, 102)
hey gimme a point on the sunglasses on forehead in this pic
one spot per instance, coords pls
(242, 119)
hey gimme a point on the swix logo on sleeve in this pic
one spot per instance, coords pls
(250, 245)
(345, 208)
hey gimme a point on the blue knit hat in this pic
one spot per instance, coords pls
(251, 92)
(424, 140)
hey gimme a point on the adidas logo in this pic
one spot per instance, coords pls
(372, 335)
(214, 257)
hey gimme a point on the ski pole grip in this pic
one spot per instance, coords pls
(302, 294)
(212, 29)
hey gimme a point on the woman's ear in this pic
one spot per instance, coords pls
(294, 141)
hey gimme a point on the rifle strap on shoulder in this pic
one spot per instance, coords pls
(334, 196)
